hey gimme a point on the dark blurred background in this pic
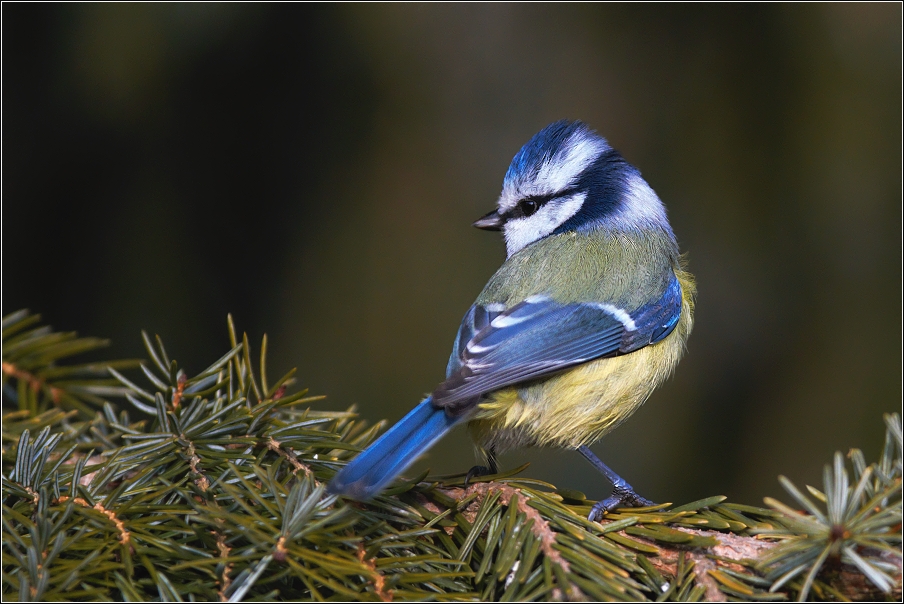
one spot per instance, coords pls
(314, 169)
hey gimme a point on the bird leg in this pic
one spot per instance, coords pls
(490, 468)
(622, 492)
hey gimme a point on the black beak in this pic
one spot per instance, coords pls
(491, 222)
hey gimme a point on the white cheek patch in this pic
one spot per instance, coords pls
(520, 232)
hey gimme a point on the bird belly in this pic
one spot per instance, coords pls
(579, 406)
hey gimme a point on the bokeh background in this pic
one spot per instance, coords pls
(314, 169)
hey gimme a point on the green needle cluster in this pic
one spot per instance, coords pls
(211, 488)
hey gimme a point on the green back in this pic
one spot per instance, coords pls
(600, 266)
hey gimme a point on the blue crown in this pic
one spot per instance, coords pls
(545, 145)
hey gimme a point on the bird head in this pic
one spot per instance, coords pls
(568, 178)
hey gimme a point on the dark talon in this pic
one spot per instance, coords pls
(491, 468)
(622, 495)
(476, 472)
(619, 498)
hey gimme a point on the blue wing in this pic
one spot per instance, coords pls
(477, 318)
(539, 337)
(498, 347)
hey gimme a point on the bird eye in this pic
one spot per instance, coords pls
(528, 206)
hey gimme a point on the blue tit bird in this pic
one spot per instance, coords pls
(588, 314)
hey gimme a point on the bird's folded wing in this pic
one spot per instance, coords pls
(539, 337)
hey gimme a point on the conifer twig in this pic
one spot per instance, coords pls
(249, 518)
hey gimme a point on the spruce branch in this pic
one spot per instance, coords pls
(35, 381)
(860, 525)
(216, 492)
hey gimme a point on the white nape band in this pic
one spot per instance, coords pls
(640, 207)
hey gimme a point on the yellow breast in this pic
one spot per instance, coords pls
(581, 405)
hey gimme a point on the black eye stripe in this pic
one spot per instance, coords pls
(530, 205)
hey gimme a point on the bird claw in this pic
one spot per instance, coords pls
(618, 498)
(476, 472)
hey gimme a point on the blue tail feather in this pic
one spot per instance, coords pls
(388, 456)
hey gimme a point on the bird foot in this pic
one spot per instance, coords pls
(620, 497)
(477, 471)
